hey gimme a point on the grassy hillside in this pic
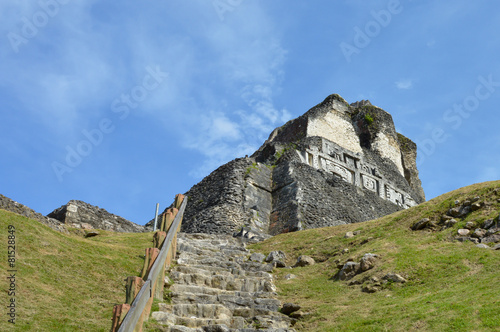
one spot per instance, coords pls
(69, 283)
(66, 282)
(451, 286)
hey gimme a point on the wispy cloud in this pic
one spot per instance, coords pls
(404, 84)
(250, 61)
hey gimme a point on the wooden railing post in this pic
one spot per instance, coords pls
(132, 287)
(119, 313)
(178, 201)
(149, 259)
(169, 217)
(158, 239)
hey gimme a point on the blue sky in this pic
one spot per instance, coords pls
(124, 104)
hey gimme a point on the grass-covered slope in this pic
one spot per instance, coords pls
(66, 282)
(451, 286)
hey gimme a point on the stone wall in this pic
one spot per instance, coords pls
(305, 197)
(79, 214)
(234, 195)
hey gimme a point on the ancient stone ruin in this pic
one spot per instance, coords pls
(336, 164)
(79, 214)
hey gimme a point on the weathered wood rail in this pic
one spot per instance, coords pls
(142, 290)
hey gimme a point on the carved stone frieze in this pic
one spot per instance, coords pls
(351, 168)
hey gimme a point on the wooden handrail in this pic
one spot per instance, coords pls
(146, 293)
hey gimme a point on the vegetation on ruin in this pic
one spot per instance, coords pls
(250, 168)
(368, 119)
(405, 143)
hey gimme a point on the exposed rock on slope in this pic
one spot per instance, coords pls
(79, 214)
(336, 164)
(12, 206)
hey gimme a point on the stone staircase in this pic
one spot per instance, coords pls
(218, 285)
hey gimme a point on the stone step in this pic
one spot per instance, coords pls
(234, 324)
(210, 250)
(207, 311)
(177, 290)
(222, 241)
(212, 270)
(231, 301)
(222, 328)
(171, 319)
(221, 260)
(224, 282)
(190, 259)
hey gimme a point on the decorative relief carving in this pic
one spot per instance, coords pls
(350, 161)
(354, 171)
(393, 196)
(409, 202)
(340, 171)
(310, 159)
(335, 156)
(388, 193)
(370, 183)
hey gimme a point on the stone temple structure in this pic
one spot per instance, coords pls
(336, 164)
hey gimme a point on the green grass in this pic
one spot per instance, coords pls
(65, 282)
(450, 284)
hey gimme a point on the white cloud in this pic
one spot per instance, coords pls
(99, 58)
(404, 84)
(246, 56)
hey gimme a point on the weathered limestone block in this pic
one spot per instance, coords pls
(348, 271)
(305, 261)
(257, 195)
(217, 203)
(368, 261)
(394, 277)
(275, 256)
(289, 308)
